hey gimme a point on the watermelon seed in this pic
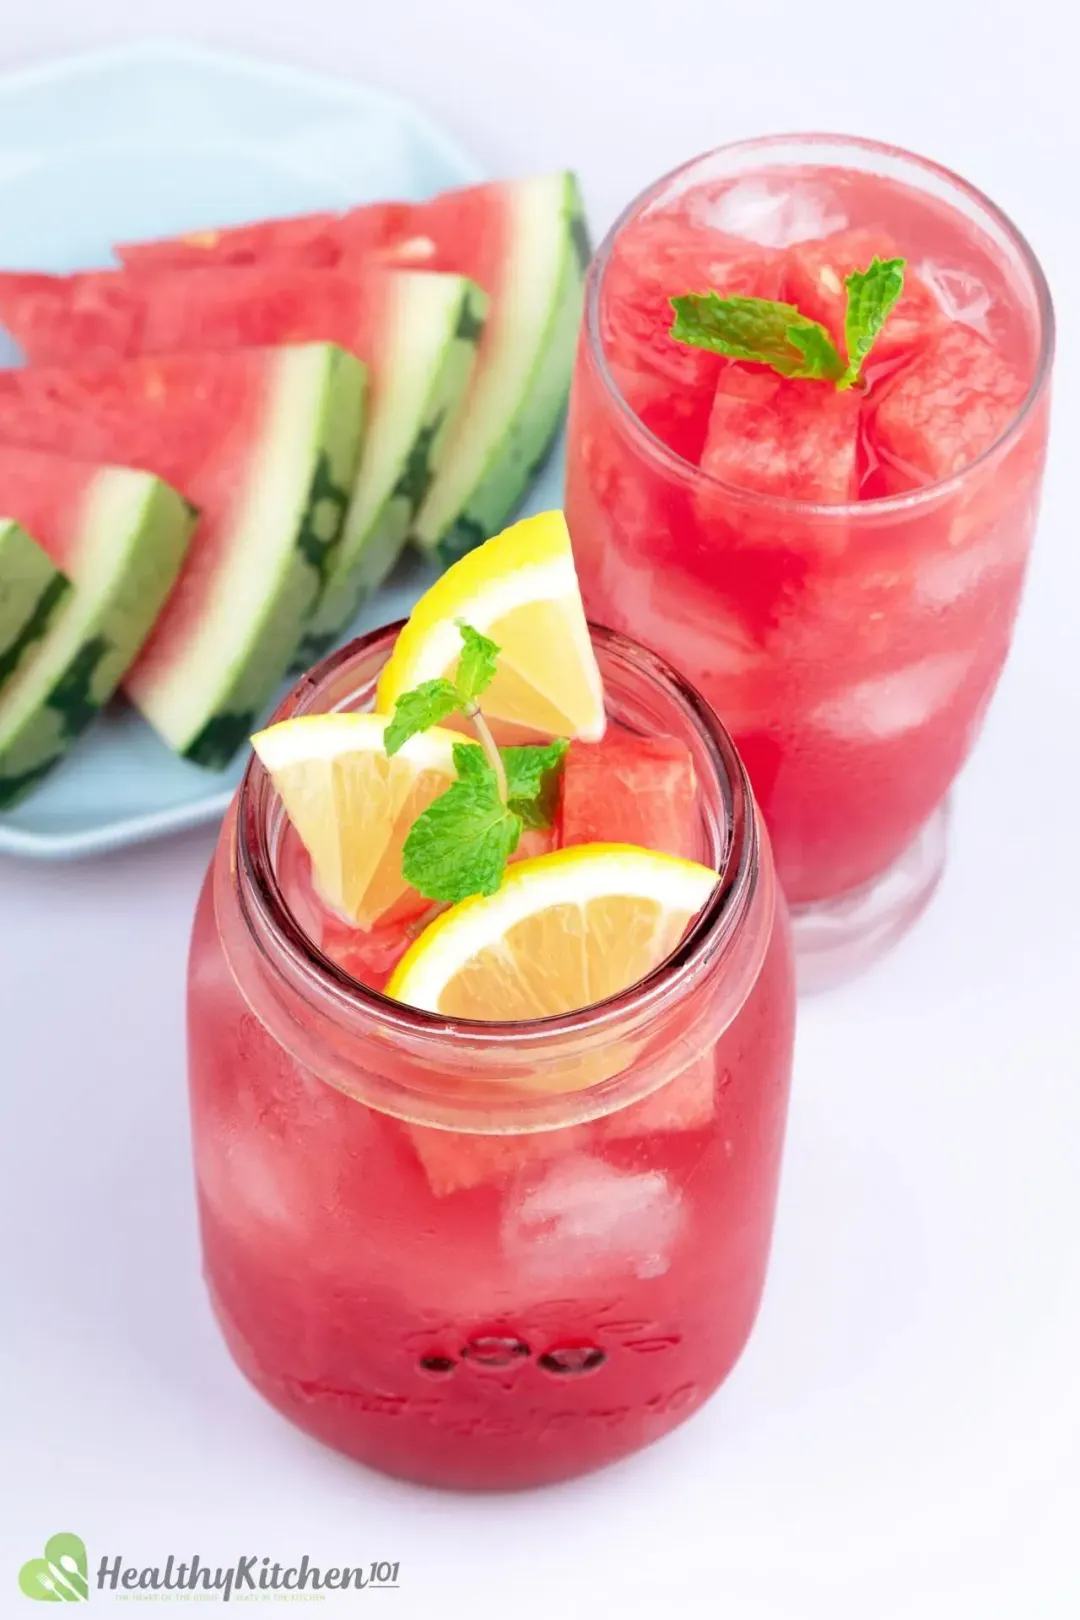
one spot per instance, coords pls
(573, 1359)
(438, 1366)
(492, 1350)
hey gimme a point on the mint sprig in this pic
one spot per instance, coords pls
(532, 781)
(871, 295)
(476, 668)
(428, 704)
(761, 329)
(779, 335)
(461, 843)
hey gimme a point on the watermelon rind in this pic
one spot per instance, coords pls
(279, 555)
(32, 590)
(133, 533)
(428, 360)
(519, 393)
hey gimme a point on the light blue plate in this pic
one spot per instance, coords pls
(146, 141)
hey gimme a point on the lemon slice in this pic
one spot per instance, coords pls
(521, 589)
(352, 806)
(564, 930)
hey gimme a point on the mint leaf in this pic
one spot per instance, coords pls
(760, 329)
(871, 294)
(461, 843)
(476, 670)
(426, 705)
(532, 781)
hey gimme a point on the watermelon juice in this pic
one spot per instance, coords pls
(838, 572)
(478, 1254)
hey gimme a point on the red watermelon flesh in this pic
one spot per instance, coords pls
(944, 409)
(193, 419)
(99, 316)
(47, 494)
(458, 231)
(670, 385)
(782, 436)
(631, 790)
(814, 281)
(305, 241)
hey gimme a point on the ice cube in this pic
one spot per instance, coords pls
(962, 296)
(890, 705)
(773, 210)
(957, 573)
(584, 1217)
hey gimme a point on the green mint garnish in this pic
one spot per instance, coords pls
(461, 843)
(428, 704)
(432, 702)
(476, 669)
(532, 781)
(780, 336)
(871, 294)
(463, 840)
(760, 329)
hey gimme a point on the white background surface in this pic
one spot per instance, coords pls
(902, 1438)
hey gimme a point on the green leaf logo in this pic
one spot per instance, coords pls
(59, 1577)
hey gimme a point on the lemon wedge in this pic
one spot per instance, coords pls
(351, 806)
(564, 930)
(521, 590)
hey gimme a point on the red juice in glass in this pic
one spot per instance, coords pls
(837, 571)
(493, 1255)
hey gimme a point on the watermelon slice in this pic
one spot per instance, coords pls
(417, 333)
(796, 439)
(814, 281)
(670, 385)
(120, 537)
(263, 442)
(303, 241)
(631, 790)
(949, 405)
(525, 243)
(32, 590)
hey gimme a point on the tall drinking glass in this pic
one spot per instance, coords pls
(850, 639)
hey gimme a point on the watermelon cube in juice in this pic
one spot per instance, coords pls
(435, 1245)
(836, 569)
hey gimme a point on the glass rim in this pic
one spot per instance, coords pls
(266, 913)
(886, 505)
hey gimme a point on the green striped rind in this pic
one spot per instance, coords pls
(281, 554)
(134, 532)
(437, 342)
(32, 589)
(519, 395)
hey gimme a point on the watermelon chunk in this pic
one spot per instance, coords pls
(525, 243)
(32, 590)
(416, 332)
(670, 385)
(263, 442)
(949, 405)
(457, 1161)
(814, 281)
(120, 537)
(786, 437)
(631, 790)
(685, 1103)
